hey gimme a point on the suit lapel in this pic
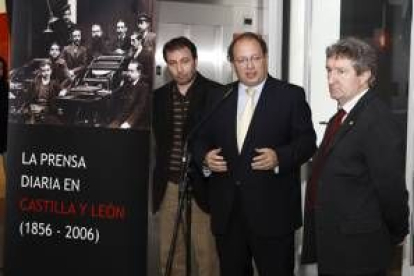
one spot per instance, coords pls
(196, 99)
(351, 119)
(231, 124)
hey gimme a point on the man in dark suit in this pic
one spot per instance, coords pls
(356, 202)
(131, 103)
(121, 43)
(142, 55)
(98, 44)
(259, 134)
(178, 109)
(41, 101)
(75, 55)
(60, 70)
(64, 27)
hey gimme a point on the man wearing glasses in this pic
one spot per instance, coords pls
(254, 144)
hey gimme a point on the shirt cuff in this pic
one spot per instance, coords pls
(206, 171)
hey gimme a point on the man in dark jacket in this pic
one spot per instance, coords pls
(254, 145)
(63, 28)
(60, 70)
(75, 55)
(356, 202)
(98, 44)
(121, 43)
(41, 102)
(178, 107)
(131, 101)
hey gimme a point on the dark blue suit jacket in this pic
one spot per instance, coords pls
(281, 121)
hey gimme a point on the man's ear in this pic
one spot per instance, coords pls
(365, 76)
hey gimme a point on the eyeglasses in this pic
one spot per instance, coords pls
(245, 60)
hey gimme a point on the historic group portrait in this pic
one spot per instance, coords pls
(83, 63)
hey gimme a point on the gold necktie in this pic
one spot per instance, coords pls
(245, 118)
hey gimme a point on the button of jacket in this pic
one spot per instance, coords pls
(238, 182)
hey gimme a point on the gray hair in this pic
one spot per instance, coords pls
(362, 54)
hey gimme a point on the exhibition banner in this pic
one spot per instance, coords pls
(79, 137)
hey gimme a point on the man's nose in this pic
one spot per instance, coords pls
(249, 63)
(331, 78)
(179, 67)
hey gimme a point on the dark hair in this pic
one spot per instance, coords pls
(143, 17)
(44, 63)
(247, 36)
(179, 43)
(55, 43)
(96, 24)
(76, 30)
(139, 65)
(64, 8)
(362, 54)
(138, 35)
(120, 20)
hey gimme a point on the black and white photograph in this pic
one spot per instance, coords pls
(83, 63)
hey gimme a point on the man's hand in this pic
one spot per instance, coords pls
(215, 162)
(119, 51)
(125, 125)
(265, 160)
(63, 92)
(401, 243)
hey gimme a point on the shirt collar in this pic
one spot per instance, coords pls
(350, 105)
(258, 87)
(189, 91)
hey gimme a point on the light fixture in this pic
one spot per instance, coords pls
(48, 29)
(52, 17)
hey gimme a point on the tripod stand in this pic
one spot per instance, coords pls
(185, 192)
(184, 203)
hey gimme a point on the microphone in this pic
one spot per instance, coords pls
(186, 159)
(207, 116)
(228, 92)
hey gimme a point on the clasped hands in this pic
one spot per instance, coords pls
(266, 159)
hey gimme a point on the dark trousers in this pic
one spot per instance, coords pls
(239, 246)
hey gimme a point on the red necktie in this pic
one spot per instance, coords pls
(330, 131)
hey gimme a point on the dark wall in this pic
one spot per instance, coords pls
(26, 29)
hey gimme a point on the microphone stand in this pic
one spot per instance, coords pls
(184, 203)
(185, 195)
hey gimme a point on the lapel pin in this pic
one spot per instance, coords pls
(351, 123)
